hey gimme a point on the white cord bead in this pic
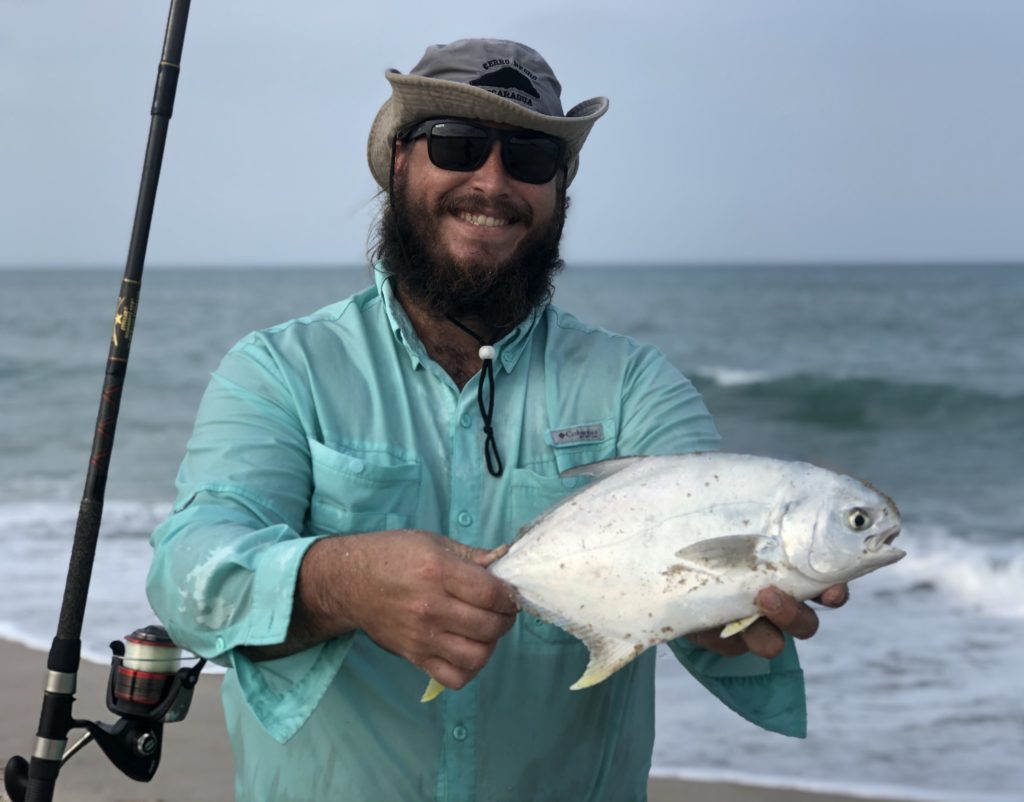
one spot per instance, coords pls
(487, 352)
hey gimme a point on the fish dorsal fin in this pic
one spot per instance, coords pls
(719, 554)
(599, 470)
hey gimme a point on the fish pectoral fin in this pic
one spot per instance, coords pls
(606, 657)
(736, 627)
(434, 689)
(729, 551)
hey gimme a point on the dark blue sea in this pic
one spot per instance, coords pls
(911, 377)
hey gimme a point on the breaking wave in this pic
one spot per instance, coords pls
(859, 402)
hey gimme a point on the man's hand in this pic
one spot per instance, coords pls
(417, 594)
(782, 614)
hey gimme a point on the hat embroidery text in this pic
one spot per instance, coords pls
(508, 82)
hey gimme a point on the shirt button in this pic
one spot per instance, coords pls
(465, 519)
(459, 733)
(465, 422)
(357, 466)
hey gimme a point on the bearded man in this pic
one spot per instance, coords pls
(352, 473)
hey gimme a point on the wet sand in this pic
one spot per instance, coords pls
(197, 764)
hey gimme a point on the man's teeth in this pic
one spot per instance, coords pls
(483, 219)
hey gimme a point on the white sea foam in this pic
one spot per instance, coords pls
(736, 377)
(36, 538)
(973, 577)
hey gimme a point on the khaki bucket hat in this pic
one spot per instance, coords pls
(481, 79)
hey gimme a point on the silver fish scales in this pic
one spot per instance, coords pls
(659, 547)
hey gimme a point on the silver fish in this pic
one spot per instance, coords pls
(660, 547)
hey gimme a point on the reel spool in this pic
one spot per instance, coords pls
(142, 675)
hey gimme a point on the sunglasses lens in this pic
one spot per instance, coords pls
(458, 146)
(532, 159)
(462, 146)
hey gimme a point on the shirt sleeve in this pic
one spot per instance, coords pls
(662, 413)
(226, 560)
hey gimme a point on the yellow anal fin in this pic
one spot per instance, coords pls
(434, 689)
(736, 627)
(606, 657)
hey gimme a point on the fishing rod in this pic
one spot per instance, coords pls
(146, 688)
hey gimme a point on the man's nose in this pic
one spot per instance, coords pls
(491, 175)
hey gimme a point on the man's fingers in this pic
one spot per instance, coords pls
(835, 596)
(485, 558)
(711, 640)
(786, 613)
(444, 672)
(471, 622)
(763, 638)
(455, 660)
(480, 557)
(462, 653)
(474, 585)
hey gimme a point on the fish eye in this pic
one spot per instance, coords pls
(859, 519)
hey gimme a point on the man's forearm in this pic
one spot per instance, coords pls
(317, 616)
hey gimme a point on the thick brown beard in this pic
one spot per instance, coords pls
(498, 295)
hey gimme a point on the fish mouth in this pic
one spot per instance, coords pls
(881, 544)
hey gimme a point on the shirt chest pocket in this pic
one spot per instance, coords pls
(539, 487)
(360, 491)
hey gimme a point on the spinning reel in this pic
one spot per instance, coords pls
(147, 688)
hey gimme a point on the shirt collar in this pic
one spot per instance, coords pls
(509, 348)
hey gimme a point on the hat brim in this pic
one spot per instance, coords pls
(415, 98)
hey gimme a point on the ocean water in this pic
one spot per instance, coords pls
(910, 377)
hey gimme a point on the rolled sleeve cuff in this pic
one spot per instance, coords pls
(283, 693)
(768, 693)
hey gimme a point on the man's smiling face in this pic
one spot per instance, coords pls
(483, 217)
(471, 244)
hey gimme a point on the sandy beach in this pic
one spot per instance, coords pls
(197, 763)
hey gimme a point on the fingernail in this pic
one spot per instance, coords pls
(770, 600)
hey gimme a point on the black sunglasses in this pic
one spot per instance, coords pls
(464, 146)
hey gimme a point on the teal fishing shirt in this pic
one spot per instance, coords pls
(340, 423)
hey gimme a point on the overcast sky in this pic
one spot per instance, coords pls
(755, 130)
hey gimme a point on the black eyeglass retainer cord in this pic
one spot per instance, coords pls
(491, 455)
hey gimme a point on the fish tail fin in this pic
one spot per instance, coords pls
(606, 657)
(434, 689)
(737, 627)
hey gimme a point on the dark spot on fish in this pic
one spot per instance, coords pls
(666, 629)
(628, 635)
(637, 650)
(673, 570)
(561, 565)
(707, 484)
(746, 522)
